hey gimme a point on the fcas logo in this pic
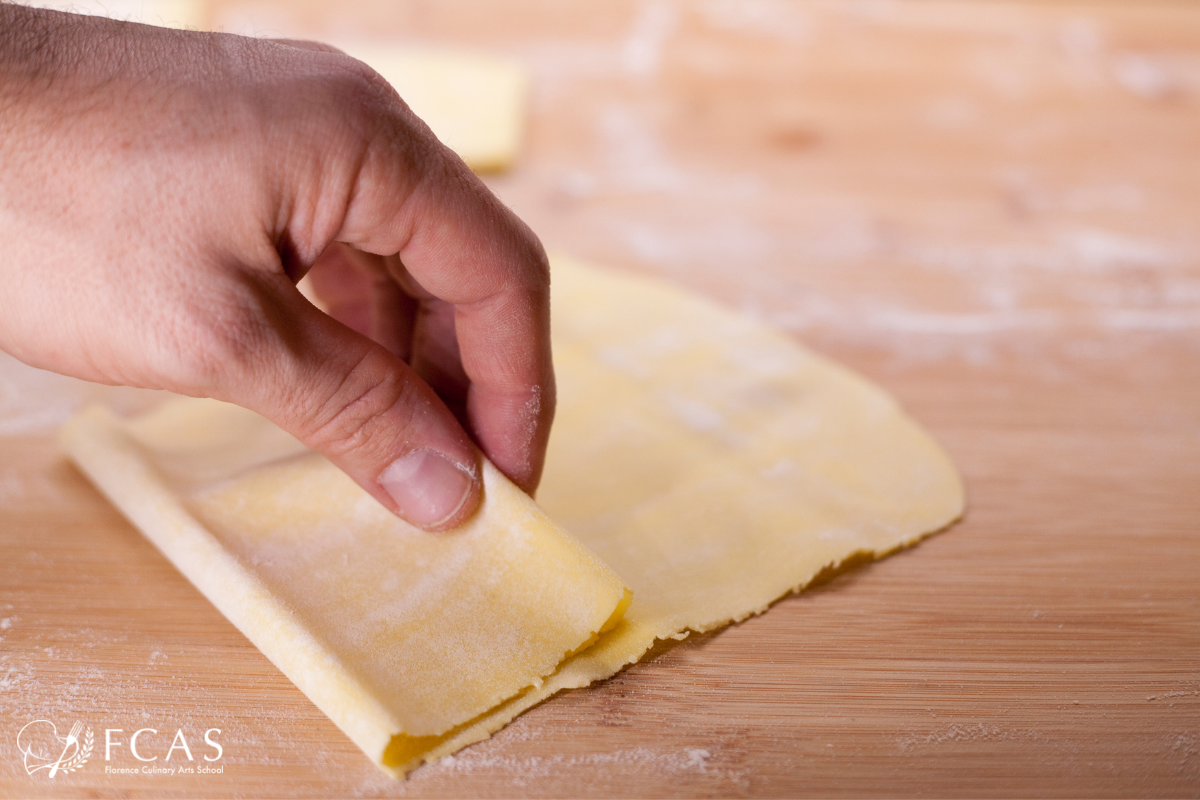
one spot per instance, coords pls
(44, 750)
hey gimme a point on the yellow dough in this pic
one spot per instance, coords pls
(715, 465)
(397, 634)
(474, 103)
(712, 463)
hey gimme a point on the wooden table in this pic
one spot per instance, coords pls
(992, 209)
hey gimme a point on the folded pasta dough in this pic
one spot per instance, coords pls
(715, 464)
(400, 636)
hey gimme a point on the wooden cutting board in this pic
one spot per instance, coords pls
(988, 208)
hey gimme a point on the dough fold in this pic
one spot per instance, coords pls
(715, 465)
(398, 635)
(712, 463)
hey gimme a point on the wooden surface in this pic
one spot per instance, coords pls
(993, 210)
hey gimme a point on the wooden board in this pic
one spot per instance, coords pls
(989, 208)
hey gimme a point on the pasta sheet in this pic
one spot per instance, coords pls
(400, 636)
(711, 463)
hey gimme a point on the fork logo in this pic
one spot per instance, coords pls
(44, 750)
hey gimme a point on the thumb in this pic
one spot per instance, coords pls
(350, 399)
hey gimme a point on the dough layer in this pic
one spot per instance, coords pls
(713, 464)
(397, 634)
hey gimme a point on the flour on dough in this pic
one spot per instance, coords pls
(398, 635)
(714, 464)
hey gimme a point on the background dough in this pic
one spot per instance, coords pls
(474, 103)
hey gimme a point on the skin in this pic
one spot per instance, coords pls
(161, 193)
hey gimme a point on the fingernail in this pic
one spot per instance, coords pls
(428, 488)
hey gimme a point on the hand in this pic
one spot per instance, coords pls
(162, 191)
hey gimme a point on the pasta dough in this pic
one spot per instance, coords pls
(713, 464)
(398, 635)
(474, 103)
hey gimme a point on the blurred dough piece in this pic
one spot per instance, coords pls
(474, 103)
(396, 634)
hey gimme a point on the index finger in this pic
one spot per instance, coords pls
(465, 247)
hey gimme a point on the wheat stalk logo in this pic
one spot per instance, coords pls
(43, 749)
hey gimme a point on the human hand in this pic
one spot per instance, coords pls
(162, 191)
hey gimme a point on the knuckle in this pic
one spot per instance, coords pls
(537, 268)
(361, 94)
(362, 101)
(356, 86)
(360, 408)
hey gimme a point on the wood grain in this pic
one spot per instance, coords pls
(988, 208)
